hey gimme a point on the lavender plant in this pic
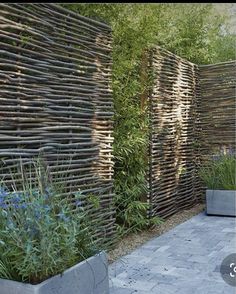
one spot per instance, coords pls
(41, 233)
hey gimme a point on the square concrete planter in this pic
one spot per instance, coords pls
(221, 202)
(87, 277)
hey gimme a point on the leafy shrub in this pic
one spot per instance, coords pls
(220, 172)
(41, 233)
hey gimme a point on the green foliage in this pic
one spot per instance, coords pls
(135, 216)
(94, 200)
(189, 30)
(41, 232)
(220, 173)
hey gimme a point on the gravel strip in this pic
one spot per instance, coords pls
(132, 241)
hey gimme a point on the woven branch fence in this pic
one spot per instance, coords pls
(218, 106)
(174, 133)
(192, 115)
(56, 100)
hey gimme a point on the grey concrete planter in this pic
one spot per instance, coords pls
(87, 277)
(221, 202)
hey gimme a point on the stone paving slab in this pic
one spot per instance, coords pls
(185, 260)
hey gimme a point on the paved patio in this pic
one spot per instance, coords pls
(185, 260)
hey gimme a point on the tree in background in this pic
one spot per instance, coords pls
(193, 31)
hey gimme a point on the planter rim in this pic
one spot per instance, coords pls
(100, 253)
(220, 190)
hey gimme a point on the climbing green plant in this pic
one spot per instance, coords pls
(189, 30)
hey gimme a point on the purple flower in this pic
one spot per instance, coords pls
(63, 217)
(47, 208)
(48, 192)
(34, 232)
(3, 193)
(16, 197)
(231, 151)
(4, 205)
(3, 197)
(216, 157)
(78, 203)
(23, 205)
(37, 214)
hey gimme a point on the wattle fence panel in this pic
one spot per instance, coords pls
(218, 106)
(192, 115)
(56, 99)
(175, 127)
(56, 102)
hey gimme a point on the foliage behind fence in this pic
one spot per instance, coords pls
(55, 99)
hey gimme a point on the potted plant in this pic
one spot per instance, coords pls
(219, 176)
(46, 243)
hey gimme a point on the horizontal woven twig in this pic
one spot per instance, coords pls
(174, 117)
(56, 99)
(218, 106)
